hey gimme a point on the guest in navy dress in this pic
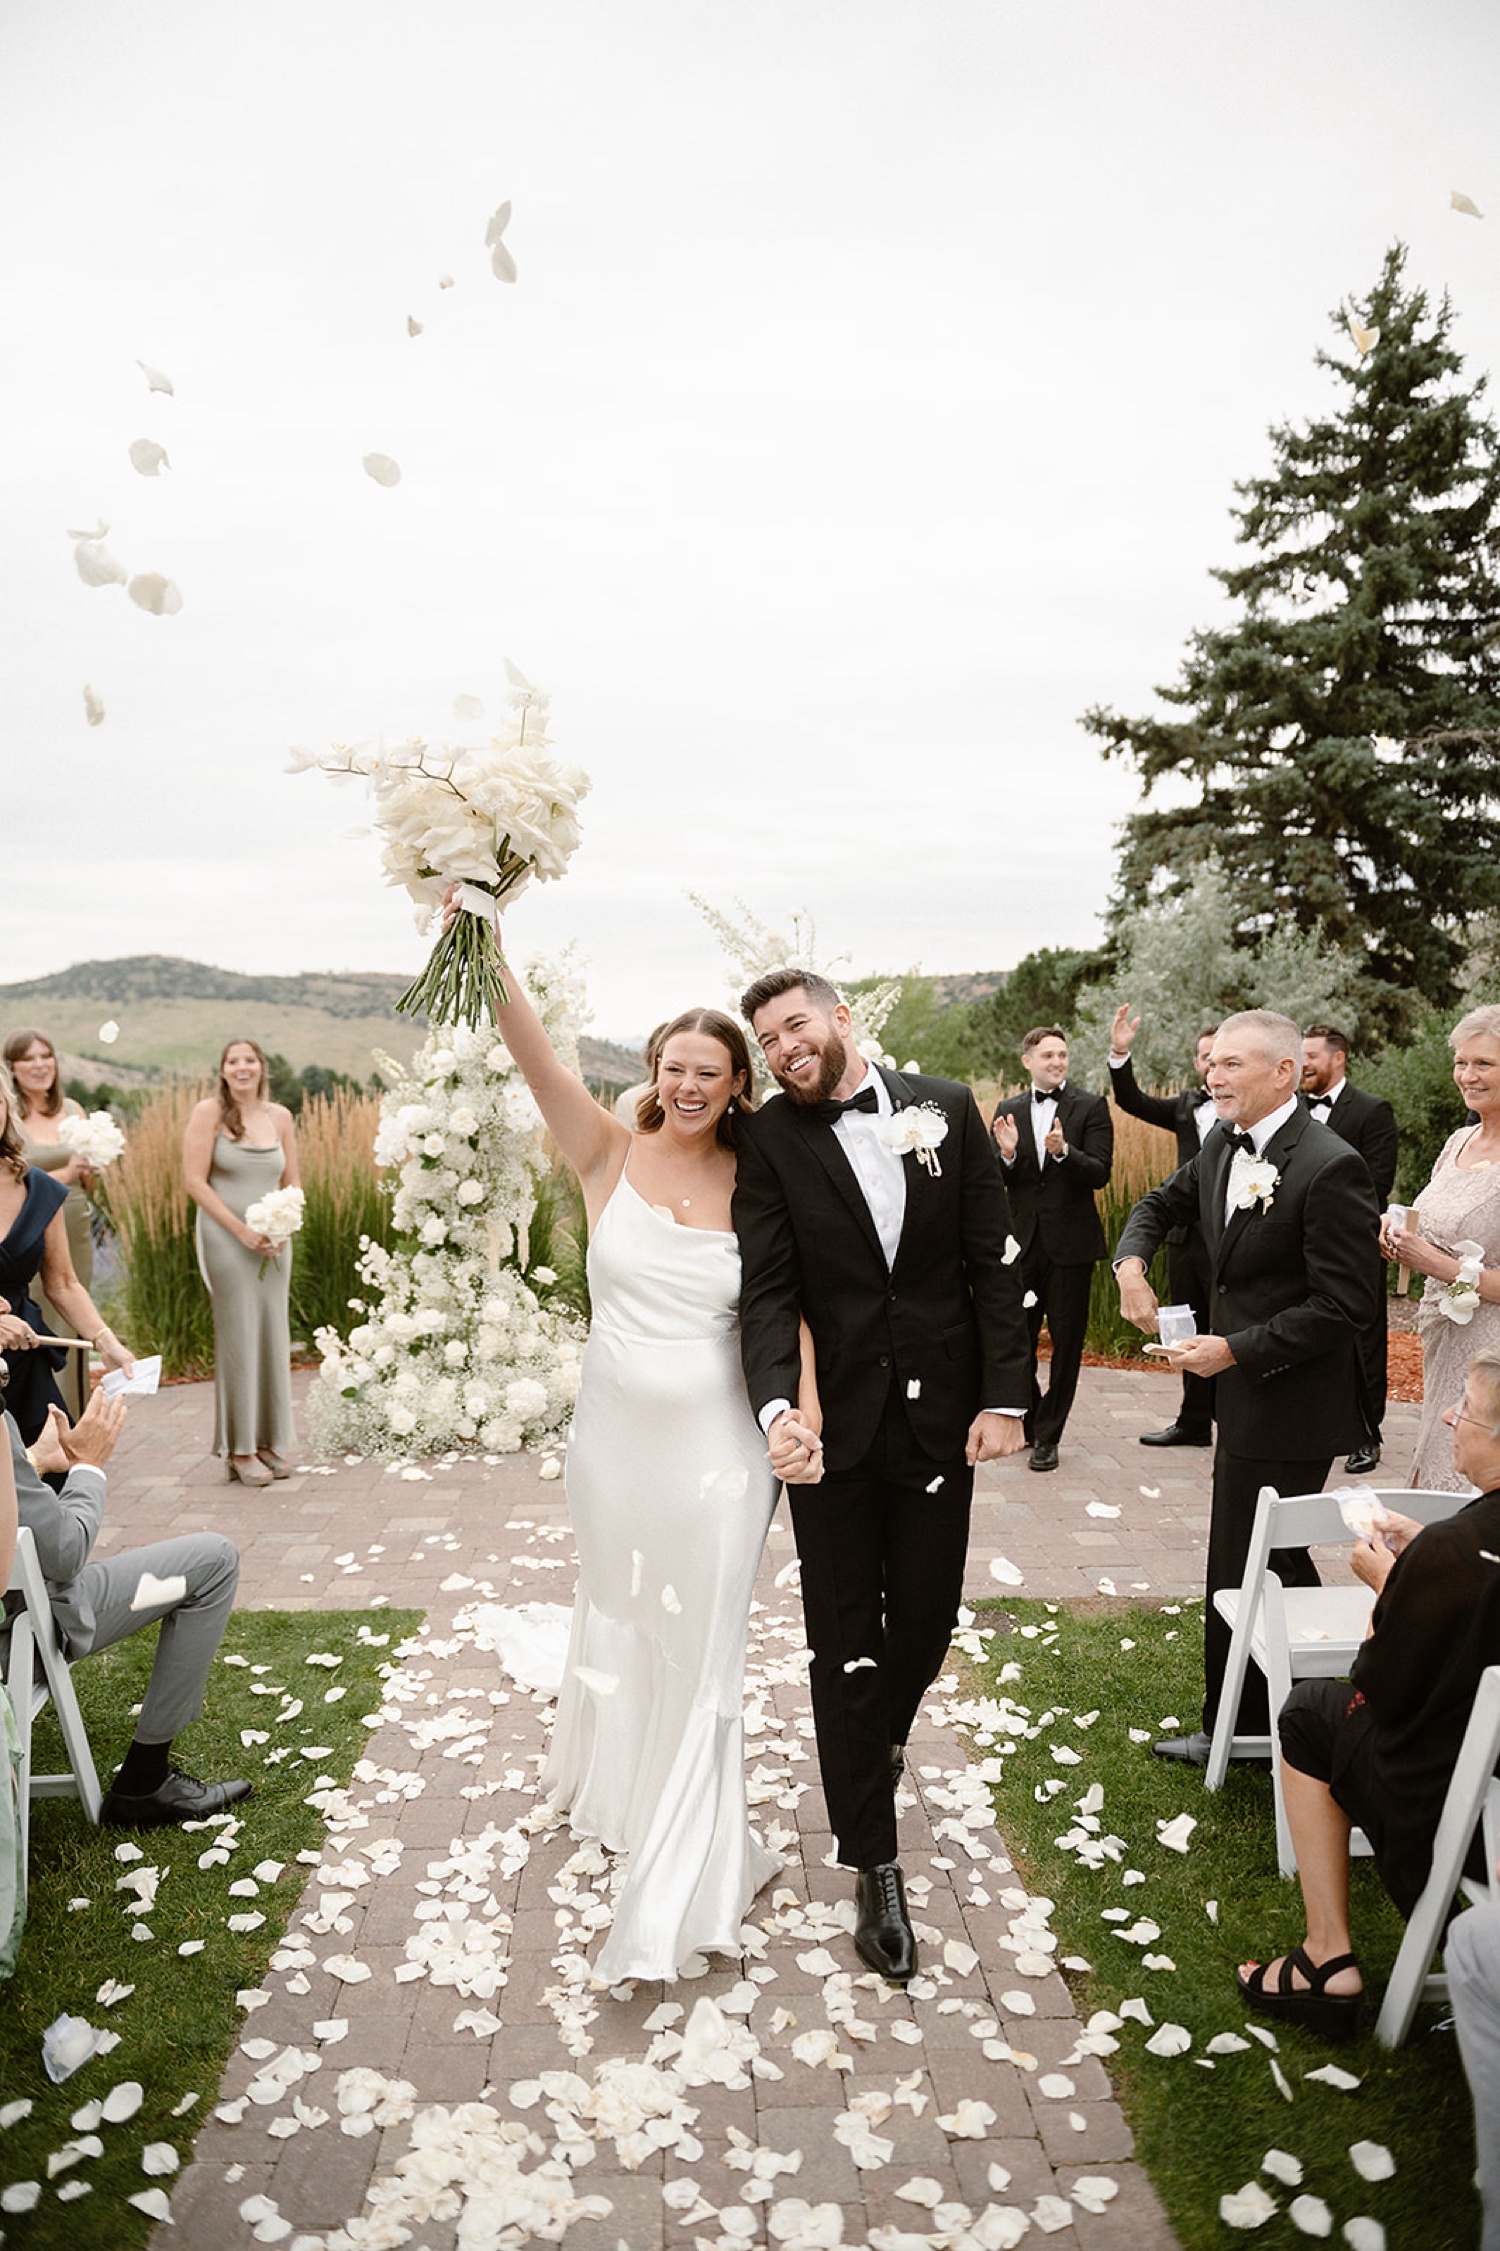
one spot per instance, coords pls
(34, 1247)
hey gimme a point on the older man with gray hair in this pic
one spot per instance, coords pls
(1288, 1216)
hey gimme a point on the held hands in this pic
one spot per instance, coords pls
(1053, 1142)
(261, 1245)
(1007, 1136)
(991, 1435)
(1123, 1030)
(794, 1452)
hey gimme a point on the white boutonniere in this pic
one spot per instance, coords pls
(917, 1132)
(1252, 1181)
(1458, 1300)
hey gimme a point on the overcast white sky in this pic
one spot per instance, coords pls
(868, 405)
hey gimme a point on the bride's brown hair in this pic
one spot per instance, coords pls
(230, 1120)
(715, 1025)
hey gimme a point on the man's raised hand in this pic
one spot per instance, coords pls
(1123, 1030)
(93, 1437)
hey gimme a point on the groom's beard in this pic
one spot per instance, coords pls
(831, 1061)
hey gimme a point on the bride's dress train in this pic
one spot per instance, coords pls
(670, 1497)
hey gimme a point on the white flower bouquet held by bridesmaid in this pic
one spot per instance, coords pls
(277, 1215)
(96, 1138)
(488, 819)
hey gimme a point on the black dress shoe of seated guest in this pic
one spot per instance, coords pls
(1174, 1435)
(1363, 1460)
(1187, 1750)
(883, 1937)
(180, 1798)
(1044, 1454)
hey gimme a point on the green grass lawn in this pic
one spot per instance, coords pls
(1202, 2133)
(178, 2026)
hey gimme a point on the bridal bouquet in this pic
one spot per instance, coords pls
(96, 1138)
(277, 1216)
(487, 819)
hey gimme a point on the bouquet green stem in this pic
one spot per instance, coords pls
(461, 983)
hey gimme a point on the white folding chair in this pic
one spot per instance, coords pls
(1473, 1799)
(33, 1633)
(1295, 1633)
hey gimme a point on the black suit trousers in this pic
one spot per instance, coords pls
(1189, 1277)
(1237, 1484)
(1062, 1294)
(882, 1557)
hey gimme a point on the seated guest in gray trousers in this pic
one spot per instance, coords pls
(1471, 1955)
(92, 1606)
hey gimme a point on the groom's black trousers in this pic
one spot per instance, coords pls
(882, 1577)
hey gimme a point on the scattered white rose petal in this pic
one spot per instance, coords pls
(1101, 1508)
(154, 593)
(151, 1591)
(1050, 2213)
(122, 2102)
(1169, 2040)
(1028, 1301)
(21, 2196)
(671, 1602)
(1094, 2191)
(191, 1946)
(1458, 201)
(148, 458)
(860, 1664)
(1311, 2215)
(1364, 2234)
(93, 706)
(96, 566)
(969, 2122)
(381, 468)
(1226, 2044)
(1056, 2086)
(1282, 2166)
(1280, 2078)
(413, 327)
(155, 380)
(1251, 2208)
(109, 1033)
(159, 2159)
(502, 264)
(347, 1969)
(1372, 2161)
(1004, 1570)
(1150, 1492)
(1333, 2075)
(1175, 1834)
(14, 2112)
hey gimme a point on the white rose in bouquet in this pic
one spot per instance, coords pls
(488, 819)
(277, 1216)
(96, 1138)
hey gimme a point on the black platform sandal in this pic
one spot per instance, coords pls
(1334, 2015)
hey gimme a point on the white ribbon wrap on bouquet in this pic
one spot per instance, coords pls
(474, 901)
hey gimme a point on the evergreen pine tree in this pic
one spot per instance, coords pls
(1342, 737)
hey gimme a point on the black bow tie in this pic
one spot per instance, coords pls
(1045, 1093)
(1320, 1102)
(831, 1112)
(1239, 1139)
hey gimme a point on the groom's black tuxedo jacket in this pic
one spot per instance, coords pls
(944, 1324)
(1054, 1206)
(1292, 1287)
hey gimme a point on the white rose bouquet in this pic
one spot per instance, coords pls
(487, 819)
(277, 1216)
(96, 1138)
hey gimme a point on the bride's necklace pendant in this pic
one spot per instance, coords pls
(687, 1203)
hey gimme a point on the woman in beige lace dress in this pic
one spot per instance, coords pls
(1456, 1245)
(40, 1103)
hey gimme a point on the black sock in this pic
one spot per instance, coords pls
(142, 1770)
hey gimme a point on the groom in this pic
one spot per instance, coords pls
(896, 1256)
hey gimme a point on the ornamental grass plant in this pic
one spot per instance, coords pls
(1077, 1679)
(160, 1302)
(180, 2020)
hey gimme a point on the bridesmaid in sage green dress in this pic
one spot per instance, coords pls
(238, 1147)
(40, 1102)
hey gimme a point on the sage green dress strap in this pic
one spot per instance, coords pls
(252, 1333)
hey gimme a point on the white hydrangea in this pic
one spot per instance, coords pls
(452, 1298)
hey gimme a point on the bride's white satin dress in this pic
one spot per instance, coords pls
(670, 1496)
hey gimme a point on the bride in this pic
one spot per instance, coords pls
(670, 1495)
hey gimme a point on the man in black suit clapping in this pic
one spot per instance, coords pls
(1368, 1124)
(1056, 1146)
(1191, 1117)
(1288, 1215)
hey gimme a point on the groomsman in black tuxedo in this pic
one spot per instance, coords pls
(1056, 1145)
(1368, 1124)
(1191, 1117)
(868, 1203)
(1288, 1214)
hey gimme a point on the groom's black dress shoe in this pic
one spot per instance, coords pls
(883, 1936)
(1174, 1435)
(181, 1798)
(1044, 1454)
(1187, 1750)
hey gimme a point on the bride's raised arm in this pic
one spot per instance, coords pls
(588, 1136)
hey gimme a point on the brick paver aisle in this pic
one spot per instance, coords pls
(501, 1530)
